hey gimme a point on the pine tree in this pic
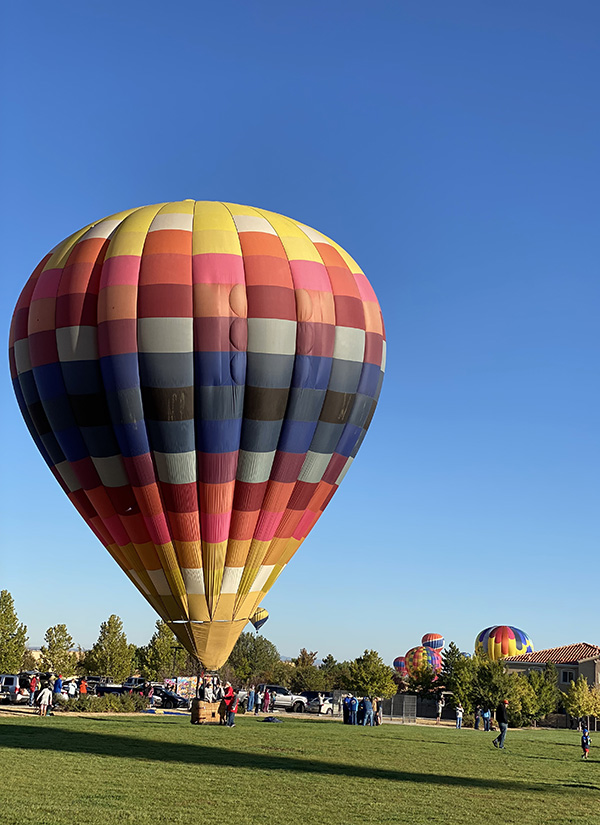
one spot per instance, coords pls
(56, 652)
(457, 675)
(13, 636)
(163, 657)
(111, 655)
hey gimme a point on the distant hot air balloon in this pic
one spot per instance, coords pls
(420, 657)
(259, 618)
(199, 377)
(400, 666)
(502, 640)
(433, 640)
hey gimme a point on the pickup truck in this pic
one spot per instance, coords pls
(284, 699)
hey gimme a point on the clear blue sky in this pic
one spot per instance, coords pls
(452, 148)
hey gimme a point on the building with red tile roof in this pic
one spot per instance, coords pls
(571, 662)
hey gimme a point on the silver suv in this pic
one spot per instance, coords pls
(11, 690)
(284, 699)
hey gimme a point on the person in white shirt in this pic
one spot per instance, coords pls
(45, 700)
(459, 715)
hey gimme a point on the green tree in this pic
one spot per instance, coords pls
(370, 676)
(111, 655)
(163, 657)
(339, 676)
(545, 687)
(595, 703)
(253, 658)
(579, 700)
(457, 675)
(328, 664)
(13, 636)
(524, 705)
(29, 661)
(423, 681)
(305, 659)
(57, 655)
(490, 683)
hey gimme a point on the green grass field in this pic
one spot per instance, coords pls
(163, 770)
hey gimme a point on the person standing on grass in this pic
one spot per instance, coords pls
(58, 685)
(72, 689)
(439, 709)
(353, 709)
(502, 719)
(368, 711)
(32, 689)
(250, 706)
(45, 700)
(486, 715)
(266, 700)
(586, 741)
(258, 702)
(231, 703)
(477, 717)
(459, 715)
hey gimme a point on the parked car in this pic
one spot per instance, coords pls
(13, 689)
(168, 699)
(325, 707)
(284, 698)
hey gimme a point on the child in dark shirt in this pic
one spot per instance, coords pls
(585, 743)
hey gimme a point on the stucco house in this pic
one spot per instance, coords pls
(571, 662)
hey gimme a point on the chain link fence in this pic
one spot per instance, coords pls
(400, 707)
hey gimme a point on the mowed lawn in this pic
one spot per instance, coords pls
(156, 769)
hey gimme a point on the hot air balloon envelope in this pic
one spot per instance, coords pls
(259, 618)
(421, 657)
(433, 640)
(199, 377)
(502, 640)
(400, 665)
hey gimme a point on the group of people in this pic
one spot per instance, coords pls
(364, 711)
(260, 700)
(43, 693)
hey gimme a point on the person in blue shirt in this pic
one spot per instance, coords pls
(368, 713)
(353, 709)
(58, 685)
(585, 743)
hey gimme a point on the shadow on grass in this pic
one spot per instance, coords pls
(37, 738)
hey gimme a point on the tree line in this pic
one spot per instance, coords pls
(254, 658)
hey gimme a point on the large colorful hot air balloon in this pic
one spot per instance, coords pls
(433, 640)
(420, 657)
(199, 377)
(501, 640)
(400, 666)
(259, 617)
